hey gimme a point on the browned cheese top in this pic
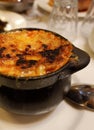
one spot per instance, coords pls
(28, 53)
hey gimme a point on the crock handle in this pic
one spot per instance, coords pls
(76, 65)
(82, 61)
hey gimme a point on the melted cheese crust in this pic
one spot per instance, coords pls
(30, 53)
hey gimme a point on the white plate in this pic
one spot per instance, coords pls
(43, 4)
(91, 40)
(63, 117)
(14, 20)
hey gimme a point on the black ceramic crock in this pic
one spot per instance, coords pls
(40, 94)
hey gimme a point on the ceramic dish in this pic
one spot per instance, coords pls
(14, 20)
(39, 94)
(15, 5)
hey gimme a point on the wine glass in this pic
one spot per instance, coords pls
(88, 21)
(64, 17)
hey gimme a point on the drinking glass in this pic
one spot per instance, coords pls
(64, 17)
(88, 22)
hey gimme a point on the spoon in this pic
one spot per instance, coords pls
(82, 95)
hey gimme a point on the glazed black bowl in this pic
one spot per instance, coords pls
(40, 94)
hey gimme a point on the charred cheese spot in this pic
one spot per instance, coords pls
(1, 52)
(29, 53)
(51, 54)
(25, 63)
